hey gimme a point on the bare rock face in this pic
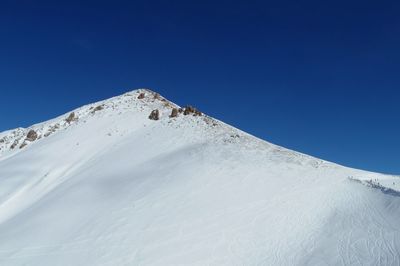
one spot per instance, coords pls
(174, 112)
(190, 110)
(154, 115)
(32, 135)
(71, 118)
(141, 95)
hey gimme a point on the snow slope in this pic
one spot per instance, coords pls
(113, 187)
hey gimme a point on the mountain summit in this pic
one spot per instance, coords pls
(139, 180)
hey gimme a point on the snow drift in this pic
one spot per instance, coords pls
(109, 186)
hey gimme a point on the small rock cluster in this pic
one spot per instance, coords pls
(190, 110)
(52, 129)
(32, 135)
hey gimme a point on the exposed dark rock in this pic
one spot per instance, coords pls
(154, 115)
(141, 95)
(198, 113)
(98, 108)
(191, 110)
(71, 118)
(188, 110)
(174, 112)
(14, 144)
(32, 135)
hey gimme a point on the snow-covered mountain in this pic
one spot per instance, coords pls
(119, 183)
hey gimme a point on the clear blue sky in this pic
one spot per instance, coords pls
(320, 77)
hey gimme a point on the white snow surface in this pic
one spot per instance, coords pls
(116, 188)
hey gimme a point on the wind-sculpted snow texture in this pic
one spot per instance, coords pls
(113, 187)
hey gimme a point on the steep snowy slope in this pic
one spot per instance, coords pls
(109, 186)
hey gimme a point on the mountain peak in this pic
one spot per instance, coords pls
(141, 101)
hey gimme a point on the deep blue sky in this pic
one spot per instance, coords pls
(320, 77)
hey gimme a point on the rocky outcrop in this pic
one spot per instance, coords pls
(32, 135)
(140, 100)
(174, 112)
(154, 115)
(97, 108)
(72, 117)
(190, 110)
